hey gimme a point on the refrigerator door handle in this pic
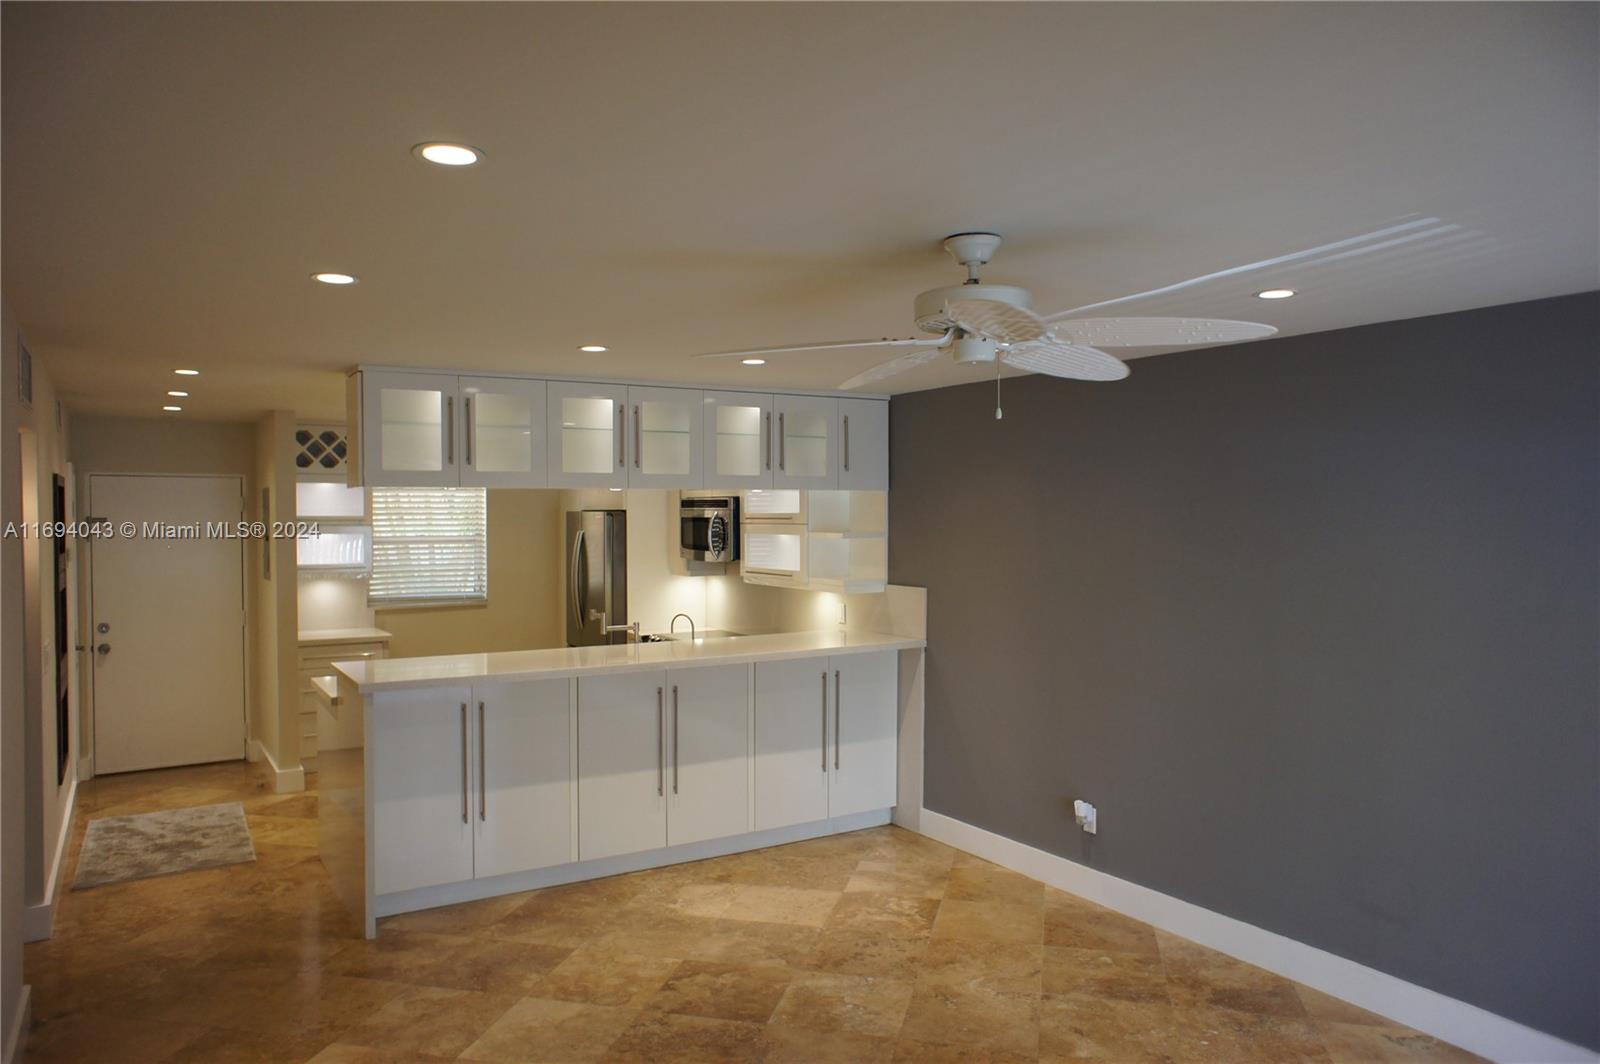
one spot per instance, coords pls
(575, 589)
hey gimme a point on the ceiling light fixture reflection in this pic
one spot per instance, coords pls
(335, 278)
(1275, 293)
(443, 153)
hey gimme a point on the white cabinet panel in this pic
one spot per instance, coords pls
(622, 804)
(408, 429)
(863, 445)
(708, 765)
(737, 443)
(587, 447)
(523, 797)
(503, 432)
(664, 444)
(806, 445)
(421, 779)
(865, 718)
(791, 770)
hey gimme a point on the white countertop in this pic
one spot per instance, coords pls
(315, 636)
(390, 674)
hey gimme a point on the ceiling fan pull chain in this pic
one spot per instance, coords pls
(998, 413)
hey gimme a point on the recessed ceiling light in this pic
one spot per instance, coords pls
(187, 372)
(616, 489)
(1275, 293)
(179, 395)
(172, 409)
(753, 361)
(445, 154)
(334, 278)
(594, 349)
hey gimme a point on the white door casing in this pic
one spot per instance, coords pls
(169, 685)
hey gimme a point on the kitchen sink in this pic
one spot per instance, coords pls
(668, 637)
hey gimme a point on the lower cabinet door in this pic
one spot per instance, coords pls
(708, 765)
(421, 784)
(862, 755)
(522, 805)
(792, 726)
(622, 764)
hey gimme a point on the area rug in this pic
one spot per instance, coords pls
(119, 848)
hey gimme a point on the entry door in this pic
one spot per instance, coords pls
(167, 623)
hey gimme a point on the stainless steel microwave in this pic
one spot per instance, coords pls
(708, 528)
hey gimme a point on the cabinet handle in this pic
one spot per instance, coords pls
(467, 402)
(783, 444)
(767, 439)
(622, 437)
(464, 817)
(450, 430)
(824, 721)
(836, 704)
(661, 751)
(846, 444)
(483, 768)
(674, 738)
(638, 441)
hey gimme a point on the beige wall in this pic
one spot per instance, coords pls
(13, 794)
(274, 605)
(523, 610)
(102, 444)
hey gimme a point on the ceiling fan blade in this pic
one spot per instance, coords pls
(1006, 323)
(1077, 361)
(891, 367)
(1158, 332)
(831, 345)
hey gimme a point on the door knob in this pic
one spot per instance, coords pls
(103, 648)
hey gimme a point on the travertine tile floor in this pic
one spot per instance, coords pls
(875, 946)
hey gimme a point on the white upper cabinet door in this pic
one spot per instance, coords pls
(708, 759)
(792, 749)
(587, 435)
(807, 447)
(664, 438)
(503, 433)
(622, 764)
(419, 748)
(862, 751)
(409, 429)
(737, 445)
(863, 445)
(522, 804)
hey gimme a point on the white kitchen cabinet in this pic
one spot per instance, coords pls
(708, 763)
(863, 445)
(806, 441)
(522, 800)
(503, 432)
(865, 718)
(622, 764)
(664, 446)
(587, 435)
(737, 440)
(791, 769)
(419, 748)
(408, 429)
(773, 554)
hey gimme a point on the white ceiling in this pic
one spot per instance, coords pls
(671, 179)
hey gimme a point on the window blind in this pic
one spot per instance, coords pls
(429, 545)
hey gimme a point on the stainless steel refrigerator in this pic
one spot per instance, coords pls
(597, 576)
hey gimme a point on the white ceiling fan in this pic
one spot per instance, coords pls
(981, 323)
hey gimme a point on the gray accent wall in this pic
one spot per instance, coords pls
(1313, 621)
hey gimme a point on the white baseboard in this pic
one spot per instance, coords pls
(284, 780)
(1426, 1010)
(38, 920)
(19, 1027)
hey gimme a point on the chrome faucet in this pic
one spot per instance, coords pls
(631, 629)
(672, 627)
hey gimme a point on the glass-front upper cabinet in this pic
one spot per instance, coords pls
(737, 440)
(587, 435)
(806, 429)
(503, 434)
(664, 449)
(408, 433)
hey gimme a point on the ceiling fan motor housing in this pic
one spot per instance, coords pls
(930, 305)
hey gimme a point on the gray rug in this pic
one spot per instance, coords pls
(119, 848)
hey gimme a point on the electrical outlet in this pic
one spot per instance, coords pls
(1086, 815)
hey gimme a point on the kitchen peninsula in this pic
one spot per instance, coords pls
(486, 774)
